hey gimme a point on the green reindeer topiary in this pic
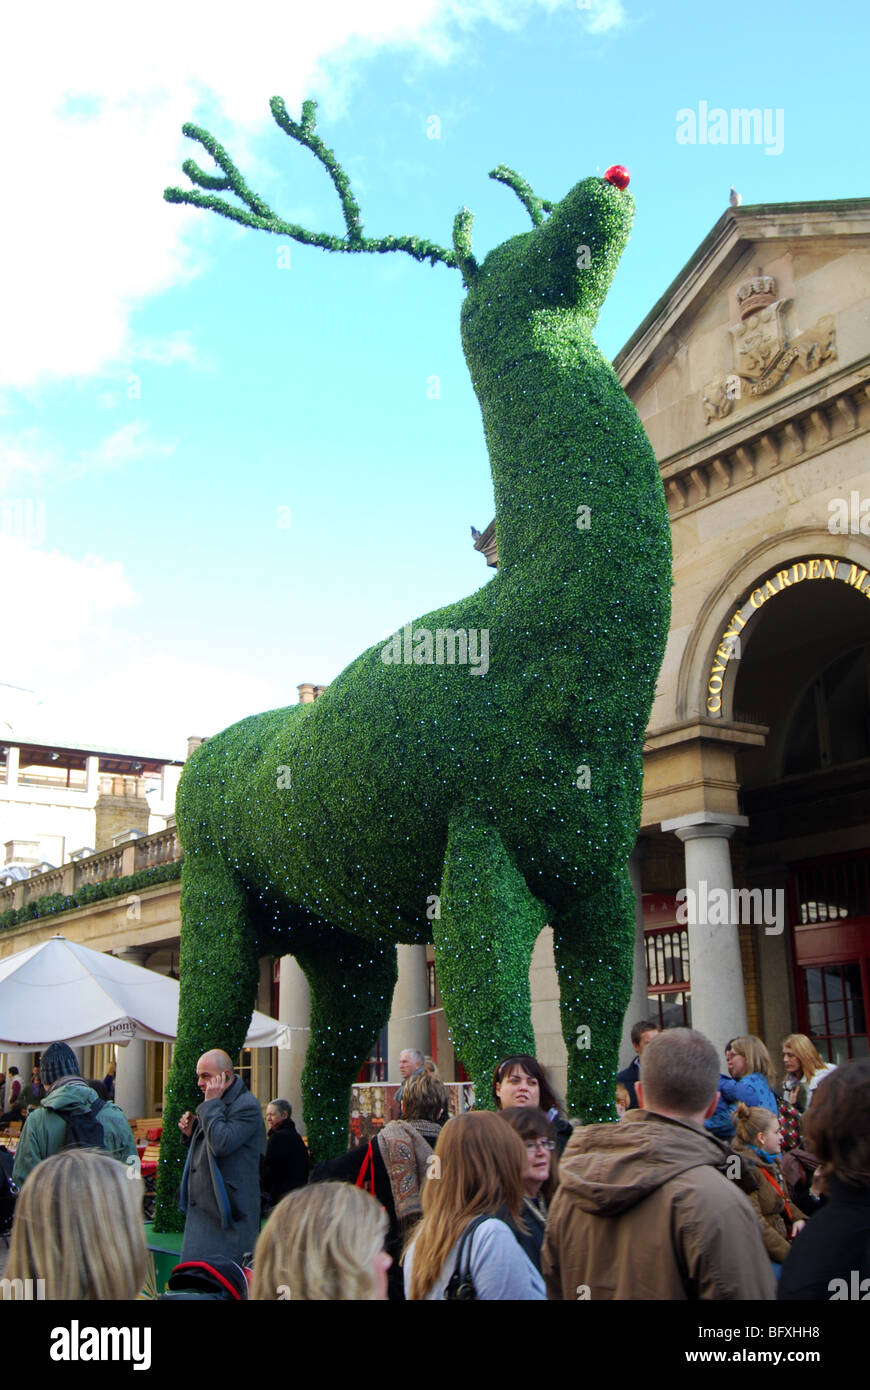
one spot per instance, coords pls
(479, 774)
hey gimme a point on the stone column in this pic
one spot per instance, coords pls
(715, 969)
(410, 1008)
(130, 1090)
(92, 767)
(294, 1009)
(13, 754)
(638, 1005)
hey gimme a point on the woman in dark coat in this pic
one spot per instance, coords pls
(540, 1175)
(285, 1164)
(831, 1260)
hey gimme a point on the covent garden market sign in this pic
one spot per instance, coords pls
(729, 648)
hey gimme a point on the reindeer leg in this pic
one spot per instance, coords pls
(484, 939)
(219, 975)
(351, 982)
(594, 947)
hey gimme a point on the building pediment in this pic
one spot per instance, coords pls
(768, 303)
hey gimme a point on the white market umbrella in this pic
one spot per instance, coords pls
(63, 992)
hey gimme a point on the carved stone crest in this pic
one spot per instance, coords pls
(762, 353)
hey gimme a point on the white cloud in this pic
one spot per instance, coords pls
(96, 98)
(25, 457)
(58, 603)
(129, 442)
(605, 15)
(173, 347)
(154, 703)
(28, 458)
(68, 639)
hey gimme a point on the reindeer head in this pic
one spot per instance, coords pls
(565, 265)
(567, 262)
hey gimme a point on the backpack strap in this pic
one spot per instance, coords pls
(367, 1170)
(459, 1287)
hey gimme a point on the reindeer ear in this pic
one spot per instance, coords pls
(534, 206)
(462, 224)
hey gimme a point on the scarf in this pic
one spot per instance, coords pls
(221, 1196)
(406, 1156)
(537, 1206)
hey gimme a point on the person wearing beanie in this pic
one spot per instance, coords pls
(45, 1130)
(758, 1143)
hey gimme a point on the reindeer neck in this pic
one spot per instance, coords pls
(562, 436)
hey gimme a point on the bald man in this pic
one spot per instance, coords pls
(220, 1186)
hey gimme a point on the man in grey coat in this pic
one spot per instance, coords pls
(220, 1186)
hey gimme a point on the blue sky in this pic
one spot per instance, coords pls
(170, 387)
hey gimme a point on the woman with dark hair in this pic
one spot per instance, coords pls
(832, 1258)
(540, 1175)
(520, 1080)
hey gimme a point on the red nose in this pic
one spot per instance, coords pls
(618, 175)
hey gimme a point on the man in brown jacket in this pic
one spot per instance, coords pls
(644, 1209)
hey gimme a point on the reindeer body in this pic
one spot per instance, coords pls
(327, 830)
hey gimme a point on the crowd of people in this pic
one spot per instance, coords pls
(685, 1196)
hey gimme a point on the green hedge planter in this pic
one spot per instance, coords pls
(54, 903)
(464, 801)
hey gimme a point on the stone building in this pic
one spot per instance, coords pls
(752, 869)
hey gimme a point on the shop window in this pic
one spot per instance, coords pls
(244, 1065)
(836, 1015)
(667, 977)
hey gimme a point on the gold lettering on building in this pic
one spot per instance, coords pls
(821, 567)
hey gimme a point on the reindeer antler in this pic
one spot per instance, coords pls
(261, 216)
(534, 206)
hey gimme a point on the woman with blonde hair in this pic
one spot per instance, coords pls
(805, 1067)
(464, 1247)
(323, 1243)
(78, 1228)
(394, 1166)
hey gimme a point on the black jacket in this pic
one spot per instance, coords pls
(628, 1076)
(285, 1164)
(834, 1245)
